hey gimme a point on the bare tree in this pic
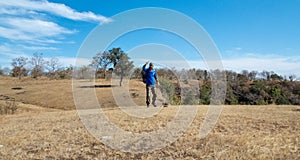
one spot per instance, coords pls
(6, 71)
(292, 77)
(1, 71)
(245, 73)
(37, 62)
(252, 75)
(265, 75)
(53, 65)
(19, 66)
(100, 62)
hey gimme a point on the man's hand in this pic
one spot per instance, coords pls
(144, 66)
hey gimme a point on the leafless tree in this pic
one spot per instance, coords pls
(292, 77)
(52, 66)
(19, 66)
(37, 62)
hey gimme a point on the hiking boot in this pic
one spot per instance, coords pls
(154, 105)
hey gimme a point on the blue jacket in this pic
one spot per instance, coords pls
(150, 76)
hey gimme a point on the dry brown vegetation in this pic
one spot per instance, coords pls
(45, 126)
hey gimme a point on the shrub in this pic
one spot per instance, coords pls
(8, 107)
(205, 93)
(168, 90)
(189, 98)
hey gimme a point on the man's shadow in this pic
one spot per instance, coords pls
(100, 86)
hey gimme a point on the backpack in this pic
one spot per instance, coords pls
(144, 75)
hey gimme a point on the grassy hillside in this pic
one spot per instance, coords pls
(45, 126)
(242, 132)
(58, 93)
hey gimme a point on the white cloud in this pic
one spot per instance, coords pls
(280, 65)
(30, 21)
(12, 11)
(58, 9)
(13, 34)
(10, 52)
(66, 61)
(28, 26)
(22, 29)
(37, 48)
(238, 60)
(41, 28)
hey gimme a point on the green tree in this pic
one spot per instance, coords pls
(116, 58)
(205, 92)
(123, 66)
(137, 73)
(230, 96)
(275, 94)
(102, 60)
(275, 77)
(167, 89)
(115, 55)
(189, 98)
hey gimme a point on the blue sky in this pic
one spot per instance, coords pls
(250, 34)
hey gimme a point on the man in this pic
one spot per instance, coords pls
(151, 80)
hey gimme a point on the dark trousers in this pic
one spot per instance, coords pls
(153, 90)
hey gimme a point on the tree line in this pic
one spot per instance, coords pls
(36, 66)
(246, 87)
(102, 64)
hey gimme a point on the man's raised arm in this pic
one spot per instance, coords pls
(144, 66)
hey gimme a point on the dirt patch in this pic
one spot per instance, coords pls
(99, 86)
(5, 97)
(16, 88)
(296, 110)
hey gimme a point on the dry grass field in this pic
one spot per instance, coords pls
(47, 126)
